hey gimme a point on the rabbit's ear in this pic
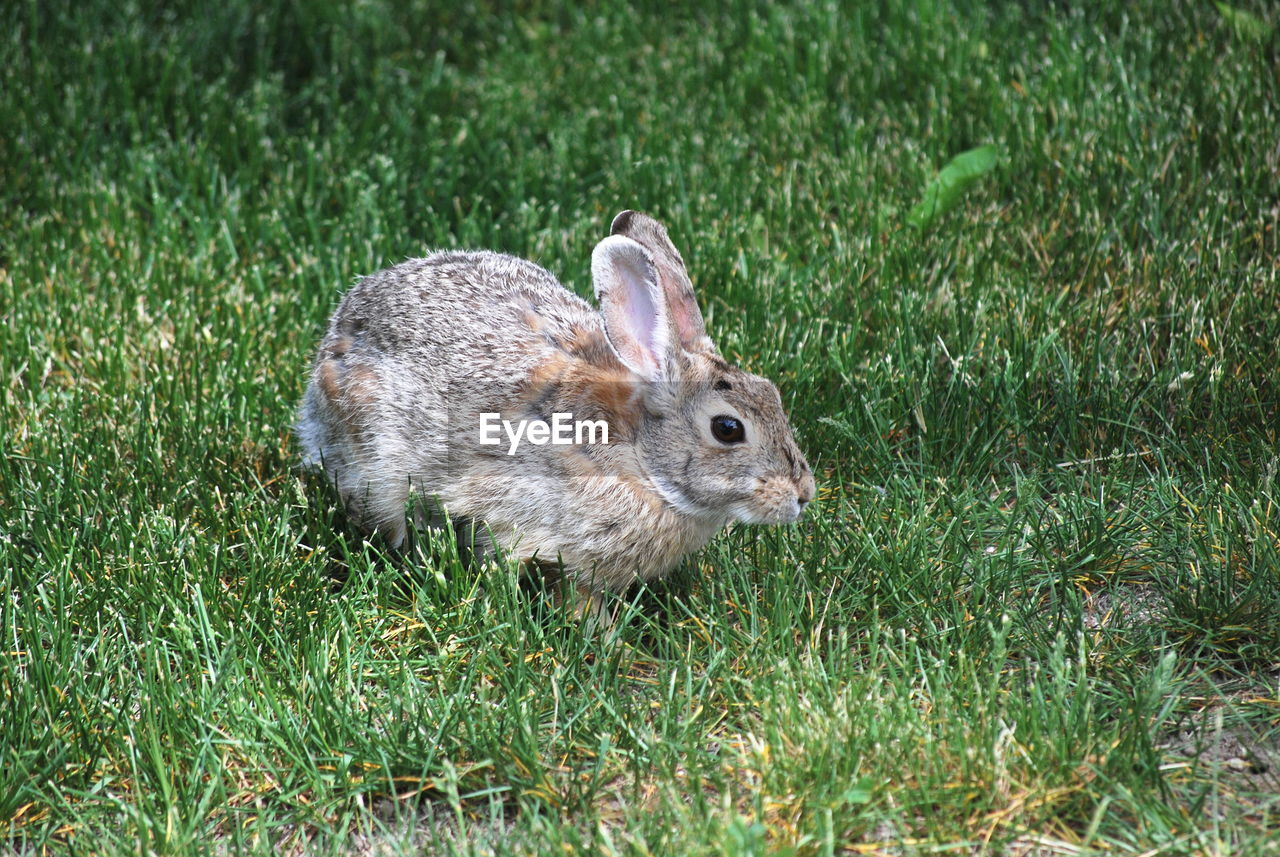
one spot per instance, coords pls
(682, 307)
(632, 303)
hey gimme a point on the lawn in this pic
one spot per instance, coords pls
(1035, 609)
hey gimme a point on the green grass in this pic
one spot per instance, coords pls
(1036, 609)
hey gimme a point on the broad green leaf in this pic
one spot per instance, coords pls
(945, 191)
(859, 793)
(1246, 24)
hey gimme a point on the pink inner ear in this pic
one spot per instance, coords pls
(639, 313)
(642, 317)
(631, 301)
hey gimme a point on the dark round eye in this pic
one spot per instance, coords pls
(728, 429)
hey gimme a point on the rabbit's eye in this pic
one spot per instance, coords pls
(728, 429)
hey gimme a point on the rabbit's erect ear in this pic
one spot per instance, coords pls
(631, 301)
(682, 307)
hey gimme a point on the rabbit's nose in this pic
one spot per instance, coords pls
(808, 488)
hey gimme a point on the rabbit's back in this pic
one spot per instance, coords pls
(457, 310)
(418, 350)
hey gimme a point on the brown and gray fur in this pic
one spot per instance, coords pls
(415, 353)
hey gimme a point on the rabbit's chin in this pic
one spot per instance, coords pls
(786, 511)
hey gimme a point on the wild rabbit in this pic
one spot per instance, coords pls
(422, 362)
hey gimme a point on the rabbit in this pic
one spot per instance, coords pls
(418, 354)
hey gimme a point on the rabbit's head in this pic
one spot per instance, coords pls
(712, 438)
